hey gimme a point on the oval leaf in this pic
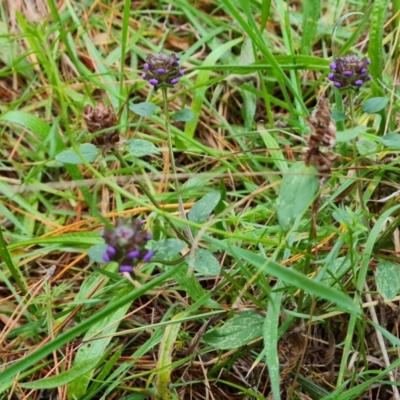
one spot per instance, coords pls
(183, 115)
(238, 331)
(96, 252)
(350, 134)
(297, 191)
(204, 207)
(141, 148)
(144, 109)
(374, 105)
(391, 140)
(388, 279)
(89, 153)
(168, 248)
(204, 263)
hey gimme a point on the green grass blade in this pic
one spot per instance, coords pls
(375, 46)
(311, 15)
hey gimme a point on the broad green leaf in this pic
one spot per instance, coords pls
(298, 188)
(367, 147)
(141, 148)
(96, 252)
(183, 115)
(204, 207)
(145, 109)
(28, 121)
(338, 115)
(64, 377)
(168, 248)
(89, 153)
(238, 331)
(374, 105)
(388, 279)
(349, 134)
(391, 140)
(204, 263)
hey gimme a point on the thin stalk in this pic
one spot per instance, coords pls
(147, 192)
(358, 180)
(173, 166)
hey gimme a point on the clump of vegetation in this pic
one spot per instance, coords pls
(199, 200)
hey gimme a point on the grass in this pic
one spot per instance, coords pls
(276, 282)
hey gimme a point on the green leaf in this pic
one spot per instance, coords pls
(96, 252)
(374, 105)
(204, 263)
(311, 15)
(238, 331)
(338, 115)
(88, 151)
(298, 188)
(367, 147)
(145, 109)
(141, 148)
(391, 140)
(375, 43)
(183, 115)
(388, 279)
(168, 248)
(349, 134)
(64, 377)
(28, 121)
(204, 207)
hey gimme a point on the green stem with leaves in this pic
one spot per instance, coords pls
(172, 160)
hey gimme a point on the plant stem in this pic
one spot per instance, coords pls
(147, 192)
(358, 181)
(172, 159)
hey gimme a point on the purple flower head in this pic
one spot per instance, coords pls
(349, 71)
(126, 244)
(162, 70)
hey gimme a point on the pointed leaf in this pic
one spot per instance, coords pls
(297, 191)
(141, 148)
(238, 331)
(204, 207)
(89, 153)
(204, 263)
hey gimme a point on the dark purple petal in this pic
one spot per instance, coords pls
(175, 64)
(160, 71)
(337, 84)
(368, 78)
(333, 66)
(177, 58)
(181, 73)
(363, 70)
(148, 236)
(368, 61)
(146, 66)
(133, 254)
(126, 268)
(148, 256)
(144, 75)
(347, 73)
(358, 82)
(174, 81)
(106, 257)
(331, 76)
(153, 82)
(111, 251)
